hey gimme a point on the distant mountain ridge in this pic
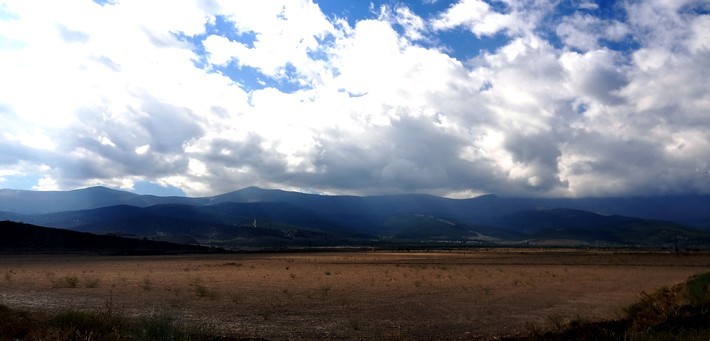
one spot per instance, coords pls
(262, 216)
(692, 210)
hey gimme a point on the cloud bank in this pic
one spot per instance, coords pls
(573, 98)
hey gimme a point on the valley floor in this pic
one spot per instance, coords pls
(376, 295)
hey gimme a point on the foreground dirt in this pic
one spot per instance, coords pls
(389, 296)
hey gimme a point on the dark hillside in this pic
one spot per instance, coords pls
(25, 238)
(568, 224)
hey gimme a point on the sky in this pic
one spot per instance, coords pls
(544, 98)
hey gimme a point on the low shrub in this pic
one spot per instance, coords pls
(698, 288)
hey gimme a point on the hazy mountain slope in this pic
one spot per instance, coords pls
(39, 202)
(691, 210)
(531, 221)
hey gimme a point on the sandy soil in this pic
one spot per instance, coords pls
(389, 296)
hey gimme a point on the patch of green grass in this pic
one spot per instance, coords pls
(698, 288)
(158, 326)
(98, 325)
(91, 324)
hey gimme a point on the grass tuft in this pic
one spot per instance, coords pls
(91, 282)
(203, 291)
(66, 282)
(325, 291)
(146, 284)
(97, 325)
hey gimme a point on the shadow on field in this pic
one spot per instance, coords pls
(681, 312)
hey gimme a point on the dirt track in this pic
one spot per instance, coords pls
(476, 295)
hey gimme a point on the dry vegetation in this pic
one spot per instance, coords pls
(389, 296)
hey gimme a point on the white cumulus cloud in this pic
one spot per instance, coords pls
(214, 96)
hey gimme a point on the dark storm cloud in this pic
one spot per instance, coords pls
(412, 154)
(104, 148)
(168, 127)
(604, 84)
(541, 152)
(14, 151)
(249, 153)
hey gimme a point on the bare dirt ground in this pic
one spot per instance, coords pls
(389, 296)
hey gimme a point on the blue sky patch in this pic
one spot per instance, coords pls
(223, 26)
(464, 45)
(251, 79)
(5, 13)
(23, 182)
(352, 11)
(147, 187)
(7, 43)
(104, 2)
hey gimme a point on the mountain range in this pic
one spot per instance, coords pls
(255, 217)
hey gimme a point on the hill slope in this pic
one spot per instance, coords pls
(223, 224)
(588, 227)
(26, 238)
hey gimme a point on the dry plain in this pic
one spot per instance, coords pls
(478, 294)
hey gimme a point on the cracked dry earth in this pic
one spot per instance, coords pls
(480, 294)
